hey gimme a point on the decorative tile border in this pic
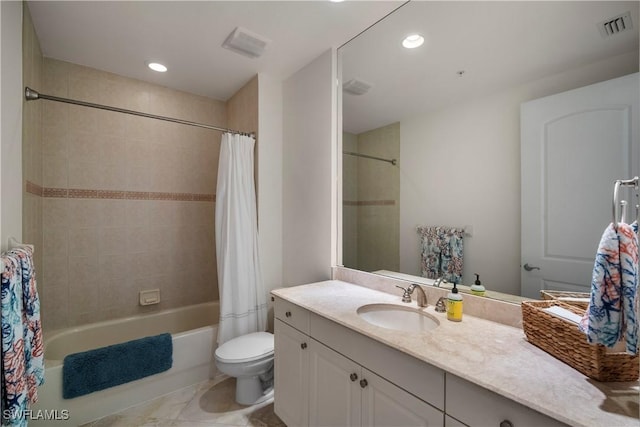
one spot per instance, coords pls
(34, 189)
(75, 193)
(368, 202)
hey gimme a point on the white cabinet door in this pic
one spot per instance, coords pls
(334, 395)
(384, 404)
(291, 375)
(574, 145)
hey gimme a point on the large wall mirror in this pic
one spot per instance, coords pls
(431, 136)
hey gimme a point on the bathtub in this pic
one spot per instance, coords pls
(194, 330)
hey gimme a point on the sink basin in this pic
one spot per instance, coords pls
(390, 316)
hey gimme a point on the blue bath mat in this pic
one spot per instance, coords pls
(93, 370)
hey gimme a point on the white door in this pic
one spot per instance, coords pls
(291, 374)
(574, 145)
(384, 404)
(334, 395)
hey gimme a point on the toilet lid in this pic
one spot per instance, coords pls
(246, 348)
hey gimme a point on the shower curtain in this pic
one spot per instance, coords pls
(243, 303)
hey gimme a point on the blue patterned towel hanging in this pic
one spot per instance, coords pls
(441, 250)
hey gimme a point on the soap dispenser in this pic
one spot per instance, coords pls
(454, 305)
(477, 288)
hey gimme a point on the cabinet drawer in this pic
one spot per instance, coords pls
(474, 405)
(291, 314)
(415, 376)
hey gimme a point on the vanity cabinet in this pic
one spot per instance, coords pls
(291, 374)
(329, 375)
(343, 393)
(476, 406)
(318, 385)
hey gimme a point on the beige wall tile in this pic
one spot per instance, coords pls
(55, 271)
(110, 240)
(56, 241)
(54, 146)
(83, 88)
(112, 213)
(55, 173)
(54, 307)
(55, 213)
(56, 78)
(84, 175)
(138, 239)
(116, 247)
(55, 118)
(84, 213)
(83, 242)
(112, 268)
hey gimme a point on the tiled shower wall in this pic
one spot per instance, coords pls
(375, 210)
(128, 202)
(32, 76)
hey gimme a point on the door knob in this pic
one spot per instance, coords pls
(530, 267)
(353, 376)
(363, 383)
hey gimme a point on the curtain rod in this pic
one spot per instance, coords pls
(31, 95)
(392, 161)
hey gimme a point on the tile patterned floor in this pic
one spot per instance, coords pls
(208, 404)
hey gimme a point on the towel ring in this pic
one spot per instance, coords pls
(616, 187)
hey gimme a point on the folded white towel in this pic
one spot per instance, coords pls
(563, 313)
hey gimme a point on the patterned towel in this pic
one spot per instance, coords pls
(22, 345)
(612, 312)
(441, 252)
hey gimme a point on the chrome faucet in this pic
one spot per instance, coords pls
(406, 297)
(440, 280)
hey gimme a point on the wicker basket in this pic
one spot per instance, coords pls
(554, 295)
(563, 340)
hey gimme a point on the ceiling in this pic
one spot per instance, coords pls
(187, 36)
(498, 45)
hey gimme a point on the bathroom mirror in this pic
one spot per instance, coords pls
(431, 135)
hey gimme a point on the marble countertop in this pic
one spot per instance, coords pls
(489, 354)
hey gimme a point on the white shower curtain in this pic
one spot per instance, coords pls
(243, 302)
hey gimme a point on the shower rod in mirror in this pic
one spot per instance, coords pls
(351, 153)
(32, 95)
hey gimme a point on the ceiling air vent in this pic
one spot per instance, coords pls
(246, 43)
(356, 87)
(615, 25)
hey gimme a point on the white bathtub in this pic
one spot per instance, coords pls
(194, 330)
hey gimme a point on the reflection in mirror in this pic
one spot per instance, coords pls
(449, 111)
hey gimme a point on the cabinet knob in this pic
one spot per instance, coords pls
(363, 383)
(288, 314)
(353, 376)
(506, 423)
(273, 299)
(304, 345)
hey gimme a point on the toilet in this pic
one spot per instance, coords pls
(248, 358)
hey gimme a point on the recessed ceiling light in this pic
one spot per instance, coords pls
(156, 66)
(336, 1)
(413, 41)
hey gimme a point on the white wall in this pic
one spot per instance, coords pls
(309, 130)
(270, 180)
(461, 166)
(11, 92)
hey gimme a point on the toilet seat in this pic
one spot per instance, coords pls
(246, 348)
